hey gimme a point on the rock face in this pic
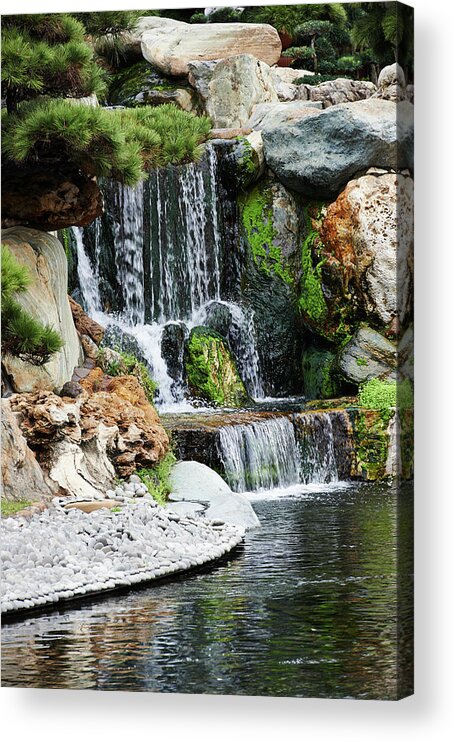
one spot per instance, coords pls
(367, 356)
(317, 155)
(142, 84)
(46, 300)
(229, 88)
(171, 48)
(22, 477)
(332, 92)
(83, 443)
(46, 199)
(372, 243)
(211, 369)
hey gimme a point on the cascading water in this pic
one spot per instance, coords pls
(279, 452)
(167, 245)
(317, 444)
(261, 455)
(87, 275)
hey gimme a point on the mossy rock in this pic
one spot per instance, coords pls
(211, 370)
(371, 442)
(143, 84)
(319, 374)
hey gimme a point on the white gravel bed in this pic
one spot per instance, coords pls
(62, 554)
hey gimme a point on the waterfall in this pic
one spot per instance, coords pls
(317, 444)
(87, 275)
(260, 455)
(129, 231)
(156, 257)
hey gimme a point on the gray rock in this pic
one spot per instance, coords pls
(368, 355)
(315, 155)
(273, 115)
(341, 90)
(392, 83)
(229, 88)
(196, 482)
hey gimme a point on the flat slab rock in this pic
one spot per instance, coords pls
(63, 555)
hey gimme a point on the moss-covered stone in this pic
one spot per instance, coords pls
(211, 370)
(143, 84)
(312, 302)
(371, 442)
(257, 218)
(319, 375)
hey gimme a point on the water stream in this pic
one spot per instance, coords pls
(308, 608)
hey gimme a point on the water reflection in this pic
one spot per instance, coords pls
(308, 608)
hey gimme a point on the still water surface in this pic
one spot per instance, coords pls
(308, 607)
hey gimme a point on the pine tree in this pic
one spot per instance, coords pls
(22, 335)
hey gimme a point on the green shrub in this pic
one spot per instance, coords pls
(11, 507)
(157, 479)
(378, 395)
(22, 335)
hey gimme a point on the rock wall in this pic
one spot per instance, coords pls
(46, 299)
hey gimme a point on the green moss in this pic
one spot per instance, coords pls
(211, 369)
(361, 361)
(312, 302)
(157, 479)
(378, 395)
(257, 220)
(371, 442)
(11, 507)
(318, 374)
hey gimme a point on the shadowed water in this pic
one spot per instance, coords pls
(307, 608)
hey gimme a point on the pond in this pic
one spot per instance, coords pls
(317, 603)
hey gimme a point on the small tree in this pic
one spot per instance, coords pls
(310, 31)
(22, 335)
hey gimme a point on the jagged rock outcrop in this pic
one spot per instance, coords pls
(83, 443)
(46, 300)
(318, 154)
(22, 476)
(367, 235)
(229, 88)
(48, 198)
(172, 47)
(332, 92)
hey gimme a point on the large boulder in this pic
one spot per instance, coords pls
(318, 154)
(22, 476)
(131, 40)
(272, 115)
(229, 88)
(367, 235)
(332, 92)
(195, 482)
(171, 48)
(392, 83)
(46, 300)
(368, 355)
(211, 370)
(192, 482)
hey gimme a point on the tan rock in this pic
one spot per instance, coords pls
(22, 476)
(46, 300)
(90, 507)
(172, 48)
(372, 243)
(84, 324)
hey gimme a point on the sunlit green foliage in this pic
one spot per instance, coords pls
(157, 479)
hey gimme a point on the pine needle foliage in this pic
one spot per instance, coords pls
(120, 143)
(22, 335)
(46, 62)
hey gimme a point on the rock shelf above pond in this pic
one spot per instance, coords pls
(65, 554)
